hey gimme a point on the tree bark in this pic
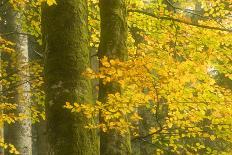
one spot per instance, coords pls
(40, 144)
(113, 45)
(1, 111)
(66, 43)
(19, 133)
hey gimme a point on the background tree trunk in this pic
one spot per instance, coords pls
(113, 45)
(1, 111)
(40, 142)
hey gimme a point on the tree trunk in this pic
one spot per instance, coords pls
(19, 133)
(66, 43)
(40, 144)
(1, 111)
(113, 45)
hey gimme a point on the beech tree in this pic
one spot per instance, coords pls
(18, 133)
(66, 44)
(113, 45)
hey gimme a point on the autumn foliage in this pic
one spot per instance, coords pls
(178, 70)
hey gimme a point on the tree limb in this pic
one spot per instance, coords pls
(179, 21)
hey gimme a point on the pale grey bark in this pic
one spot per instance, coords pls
(23, 128)
(19, 133)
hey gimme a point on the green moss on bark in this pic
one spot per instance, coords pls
(66, 42)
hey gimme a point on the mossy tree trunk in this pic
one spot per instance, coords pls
(113, 45)
(66, 43)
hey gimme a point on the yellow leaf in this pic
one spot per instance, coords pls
(212, 137)
(119, 72)
(170, 125)
(51, 2)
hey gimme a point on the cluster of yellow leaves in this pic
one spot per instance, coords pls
(113, 112)
(10, 117)
(17, 3)
(6, 46)
(93, 21)
(8, 147)
(30, 18)
(37, 114)
(134, 77)
(216, 8)
(136, 71)
(50, 2)
(7, 106)
(118, 105)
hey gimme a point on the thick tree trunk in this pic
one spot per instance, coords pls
(19, 133)
(113, 45)
(66, 43)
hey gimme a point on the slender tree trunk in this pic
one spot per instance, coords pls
(40, 144)
(113, 45)
(19, 133)
(1, 111)
(1, 137)
(66, 43)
